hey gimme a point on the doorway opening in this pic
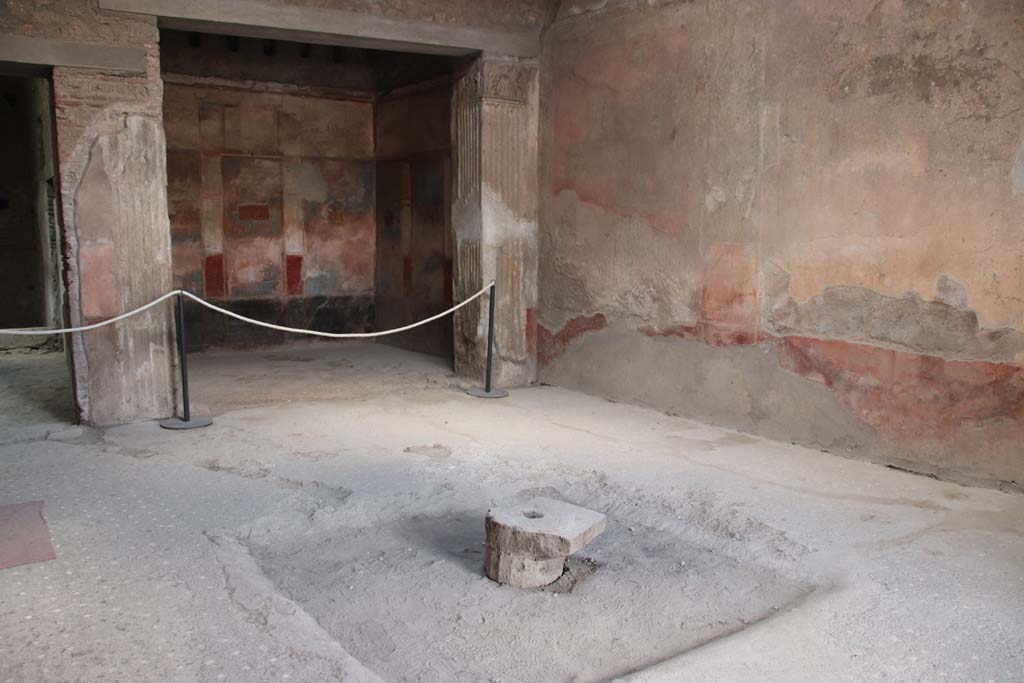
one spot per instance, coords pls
(309, 186)
(35, 382)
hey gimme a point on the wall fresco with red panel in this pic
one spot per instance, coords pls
(272, 208)
(800, 219)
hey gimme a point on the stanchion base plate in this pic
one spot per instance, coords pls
(493, 393)
(194, 423)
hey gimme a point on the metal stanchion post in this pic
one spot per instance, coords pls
(186, 421)
(488, 391)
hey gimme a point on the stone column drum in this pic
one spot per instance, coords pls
(527, 544)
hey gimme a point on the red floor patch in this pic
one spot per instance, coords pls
(24, 536)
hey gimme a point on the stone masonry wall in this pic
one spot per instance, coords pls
(800, 219)
(495, 216)
(110, 150)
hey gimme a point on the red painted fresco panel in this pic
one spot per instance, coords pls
(213, 276)
(912, 395)
(293, 274)
(254, 212)
(729, 294)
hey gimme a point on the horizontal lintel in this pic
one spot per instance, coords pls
(261, 19)
(30, 52)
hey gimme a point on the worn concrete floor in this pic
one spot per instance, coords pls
(328, 527)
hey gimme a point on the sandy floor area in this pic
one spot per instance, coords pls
(328, 526)
(35, 394)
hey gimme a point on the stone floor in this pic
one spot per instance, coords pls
(328, 526)
(35, 394)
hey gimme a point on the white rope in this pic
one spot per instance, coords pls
(85, 328)
(296, 330)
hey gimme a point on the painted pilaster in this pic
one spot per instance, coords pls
(494, 215)
(110, 144)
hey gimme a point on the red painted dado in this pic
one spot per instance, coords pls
(552, 344)
(293, 274)
(729, 295)
(213, 276)
(728, 301)
(904, 394)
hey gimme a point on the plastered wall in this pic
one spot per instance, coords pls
(800, 219)
(272, 207)
(414, 237)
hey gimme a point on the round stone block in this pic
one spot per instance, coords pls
(520, 571)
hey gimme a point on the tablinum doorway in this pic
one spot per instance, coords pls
(309, 186)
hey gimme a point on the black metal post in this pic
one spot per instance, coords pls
(183, 358)
(490, 339)
(186, 421)
(489, 391)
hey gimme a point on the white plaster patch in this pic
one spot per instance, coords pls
(1017, 173)
(951, 292)
(502, 222)
(714, 199)
(770, 135)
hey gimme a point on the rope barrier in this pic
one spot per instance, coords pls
(86, 328)
(296, 330)
(336, 335)
(188, 421)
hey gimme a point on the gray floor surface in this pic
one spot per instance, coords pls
(328, 526)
